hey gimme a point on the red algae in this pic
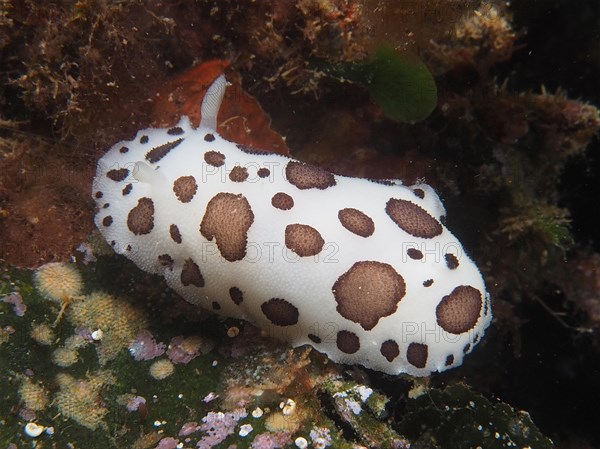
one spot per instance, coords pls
(15, 299)
(184, 350)
(145, 347)
(241, 119)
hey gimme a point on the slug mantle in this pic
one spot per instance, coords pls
(364, 271)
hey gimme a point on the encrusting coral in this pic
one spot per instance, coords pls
(81, 400)
(65, 356)
(161, 369)
(118, 320)
(115, 322)
(43, 334)
(59, 282)
(33, 395)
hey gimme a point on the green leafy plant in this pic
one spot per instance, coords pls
(400, 83)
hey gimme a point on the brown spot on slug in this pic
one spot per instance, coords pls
(413, 219)
(227, 219)
(157, 153)
(174, 233)
(140, 219)
(367, 292)
(190, 274)
(451, 261)
(304, 240)
(249, 150)
(314, 338)
(459, 311)
(416, 354)
(305, 176)
(117, 175)
(282, 201)
(238, 174)
(280, 312)
(236, 295)
(214, 158)
(175, 131)
(165, 260)
(420, 193)
(414, 253)
(356, 222)
(347, 342)
(185, 188)
(384, 182)
(390, 350)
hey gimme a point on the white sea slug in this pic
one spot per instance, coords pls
(364, 271)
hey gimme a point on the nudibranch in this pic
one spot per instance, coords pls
(364, 271)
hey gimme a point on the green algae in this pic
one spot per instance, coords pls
(401, 84)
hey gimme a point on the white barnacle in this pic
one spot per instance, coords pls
(33, 430)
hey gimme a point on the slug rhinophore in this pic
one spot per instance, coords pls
(365, 271)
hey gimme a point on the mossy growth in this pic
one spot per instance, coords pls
(88, 403)
(360, 410)
(531, 219)
(549, 223)
(78, 400)
(458, 417)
